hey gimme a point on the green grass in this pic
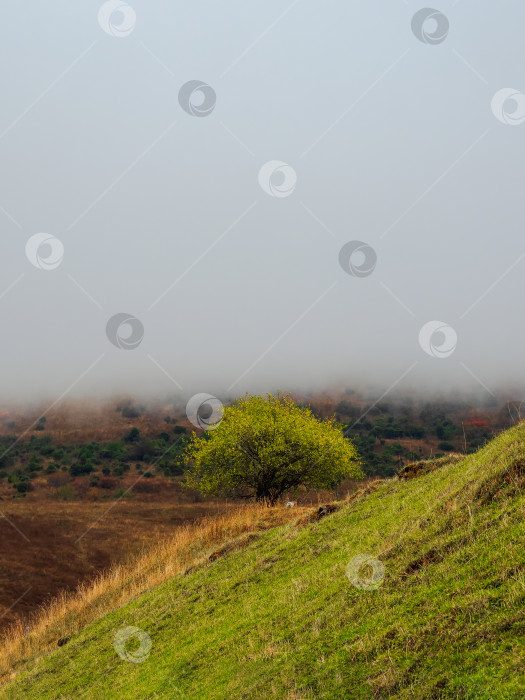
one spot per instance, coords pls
(280, 618)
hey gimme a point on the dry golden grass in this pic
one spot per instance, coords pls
(191, 546)
(60, 544)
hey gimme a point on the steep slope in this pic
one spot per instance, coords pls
(281, 618)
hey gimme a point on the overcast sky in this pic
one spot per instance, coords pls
(394, 132)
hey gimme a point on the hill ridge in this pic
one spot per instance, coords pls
(293, 615)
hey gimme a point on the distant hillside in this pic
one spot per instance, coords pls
(83, 438)
(438, 611)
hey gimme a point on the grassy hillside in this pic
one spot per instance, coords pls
(280, 618)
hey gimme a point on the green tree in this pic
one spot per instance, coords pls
(270, 445)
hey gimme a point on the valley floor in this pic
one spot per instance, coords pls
(49, 545)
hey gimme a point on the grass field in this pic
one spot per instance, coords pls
(279, 617)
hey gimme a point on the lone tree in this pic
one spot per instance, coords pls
(270, 445)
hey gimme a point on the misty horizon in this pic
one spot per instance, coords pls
(185, 208)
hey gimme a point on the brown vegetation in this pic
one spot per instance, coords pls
(77, 422)
(190, 546)
(50, 546)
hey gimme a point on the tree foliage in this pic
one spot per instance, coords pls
(270, 445)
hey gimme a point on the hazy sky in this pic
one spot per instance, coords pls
(391, 141)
